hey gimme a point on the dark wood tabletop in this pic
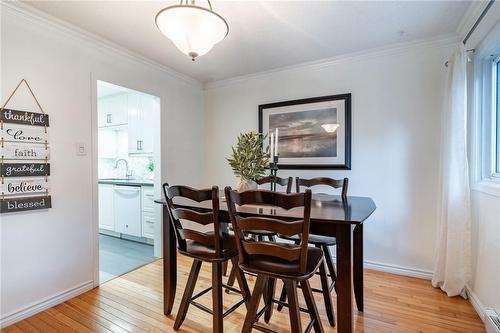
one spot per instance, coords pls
(325, 208)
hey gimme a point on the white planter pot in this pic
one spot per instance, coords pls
(246, 185)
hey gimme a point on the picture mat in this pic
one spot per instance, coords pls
(339, 105)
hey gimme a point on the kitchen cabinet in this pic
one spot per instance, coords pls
(148, 224)
(141, 123)
(106, 207)
(148, 213)
(127, 210)
(112, 110)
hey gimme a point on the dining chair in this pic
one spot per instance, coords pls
(215, 246)
(259, 234)
(322, 242)
(284, 182)
(271, 260)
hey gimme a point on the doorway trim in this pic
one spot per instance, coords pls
(128, 83)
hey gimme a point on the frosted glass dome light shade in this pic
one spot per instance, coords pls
(194, 30)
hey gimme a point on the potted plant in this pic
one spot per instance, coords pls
(248, 160)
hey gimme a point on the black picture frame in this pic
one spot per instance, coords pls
(348, 131)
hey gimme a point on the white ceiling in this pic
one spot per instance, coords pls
(264, 35)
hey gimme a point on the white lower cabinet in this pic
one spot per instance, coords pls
(127, 201)
(148, 224)
(106, 207)
(128, 210)
(148, 213)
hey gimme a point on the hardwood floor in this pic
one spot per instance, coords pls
(133, 303)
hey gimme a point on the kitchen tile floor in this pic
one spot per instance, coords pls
(118, 256)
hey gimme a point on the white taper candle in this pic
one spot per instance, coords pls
(272, 145)
(276, 144)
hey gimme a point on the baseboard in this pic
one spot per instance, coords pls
(15, 316)
(394, 269)
(476, 303)
(399, 270)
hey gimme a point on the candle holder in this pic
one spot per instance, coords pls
(273, 167)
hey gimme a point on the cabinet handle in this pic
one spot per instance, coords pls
(139, 145)
(108, 118)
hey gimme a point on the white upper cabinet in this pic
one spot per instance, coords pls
(131, 113)
(112, 110)
(140, 124)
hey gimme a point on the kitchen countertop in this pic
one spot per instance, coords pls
(129, 182)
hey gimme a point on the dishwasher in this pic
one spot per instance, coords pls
(127, 202)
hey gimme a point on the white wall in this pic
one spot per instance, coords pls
(47, 253)
(486, 249)
(396, 106)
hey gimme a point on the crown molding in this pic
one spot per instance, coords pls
(392, 49)
(39, 17)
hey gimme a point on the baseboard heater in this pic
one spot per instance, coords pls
(491, 321)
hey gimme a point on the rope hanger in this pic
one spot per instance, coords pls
(31, 92)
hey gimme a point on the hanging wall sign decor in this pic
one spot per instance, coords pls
(11, 151)
(24, 169)
(23, 134)
(24, 144)
(24, 118)
(23, 186)
(8, 205)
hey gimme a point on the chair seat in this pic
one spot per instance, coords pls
(261, 233)
(257, 232)
(315, 239)
(282, 269)
(207, 253)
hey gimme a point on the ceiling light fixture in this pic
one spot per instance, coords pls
(193, 29)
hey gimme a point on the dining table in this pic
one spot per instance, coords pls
(331, 215)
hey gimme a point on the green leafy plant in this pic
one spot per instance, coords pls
(151, 166)
(248, 160)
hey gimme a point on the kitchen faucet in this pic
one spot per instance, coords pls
(128, 174)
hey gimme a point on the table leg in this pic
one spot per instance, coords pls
(169, 263)
(344, 285)
(358, 274)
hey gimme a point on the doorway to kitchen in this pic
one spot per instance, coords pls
(128, 145)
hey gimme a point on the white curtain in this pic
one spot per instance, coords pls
(452, 262)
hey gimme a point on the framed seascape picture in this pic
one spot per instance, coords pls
(314, 133)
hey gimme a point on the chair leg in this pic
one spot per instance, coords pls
(232, 277)
(293, 306)
(268, 298)
(242, 281)
(311, 306)
(283, 291)
(326, 294)
(258, 289)
(224, 268)
(217, 307)
(331, 267)
(188, 292)
(282, 297)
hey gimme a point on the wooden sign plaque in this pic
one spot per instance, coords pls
(24, 186)
(23, 134)
(10, 205)
(24, 169)
(19, 151)
(24, 117)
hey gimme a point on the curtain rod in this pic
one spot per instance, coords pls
(469, 50)
(479, 19)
